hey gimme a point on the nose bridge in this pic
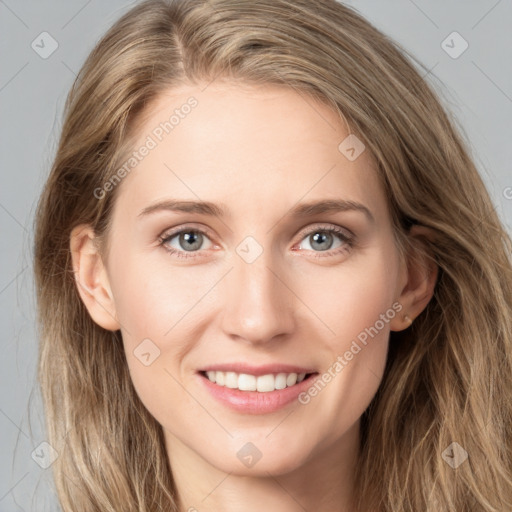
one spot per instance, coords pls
(258, 305)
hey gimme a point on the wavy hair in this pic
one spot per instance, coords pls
(448, 378)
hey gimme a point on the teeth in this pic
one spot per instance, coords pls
(291, 379)
(245, 382)
(220, 378)
(280, 381)
(231, 380)
(263, 383)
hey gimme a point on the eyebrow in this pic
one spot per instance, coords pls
(218, 210)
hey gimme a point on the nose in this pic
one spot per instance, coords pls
(258, 305)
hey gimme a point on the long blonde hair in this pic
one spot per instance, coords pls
(448, 377)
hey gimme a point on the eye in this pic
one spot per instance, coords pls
(187, 241)
(322, 239)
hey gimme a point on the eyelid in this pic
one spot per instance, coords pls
(327, 226)
(169, 232)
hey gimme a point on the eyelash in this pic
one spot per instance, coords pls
(349, 241)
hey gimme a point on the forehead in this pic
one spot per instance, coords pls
(248, 146)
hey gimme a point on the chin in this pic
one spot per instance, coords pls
(259, 458)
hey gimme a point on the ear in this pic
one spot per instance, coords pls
(420, 277)
(91, 277)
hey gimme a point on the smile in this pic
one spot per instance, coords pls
(249, 389)
(261, 383)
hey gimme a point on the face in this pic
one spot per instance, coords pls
(253, 289)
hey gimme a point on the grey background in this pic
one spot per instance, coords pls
(476, 87)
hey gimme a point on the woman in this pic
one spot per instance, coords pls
(269, 275)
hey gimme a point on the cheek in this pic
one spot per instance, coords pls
(155, 309)
(351, 299)
(149, 297)
(357, 307)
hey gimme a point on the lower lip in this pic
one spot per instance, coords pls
(256, 402)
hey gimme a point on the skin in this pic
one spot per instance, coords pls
(259, 151)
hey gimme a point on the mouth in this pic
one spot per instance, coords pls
(256, 390)
(261, 383)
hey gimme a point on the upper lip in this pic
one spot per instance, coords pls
(256, 370)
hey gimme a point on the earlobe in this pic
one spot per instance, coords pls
(422, 273)
(91, 278)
